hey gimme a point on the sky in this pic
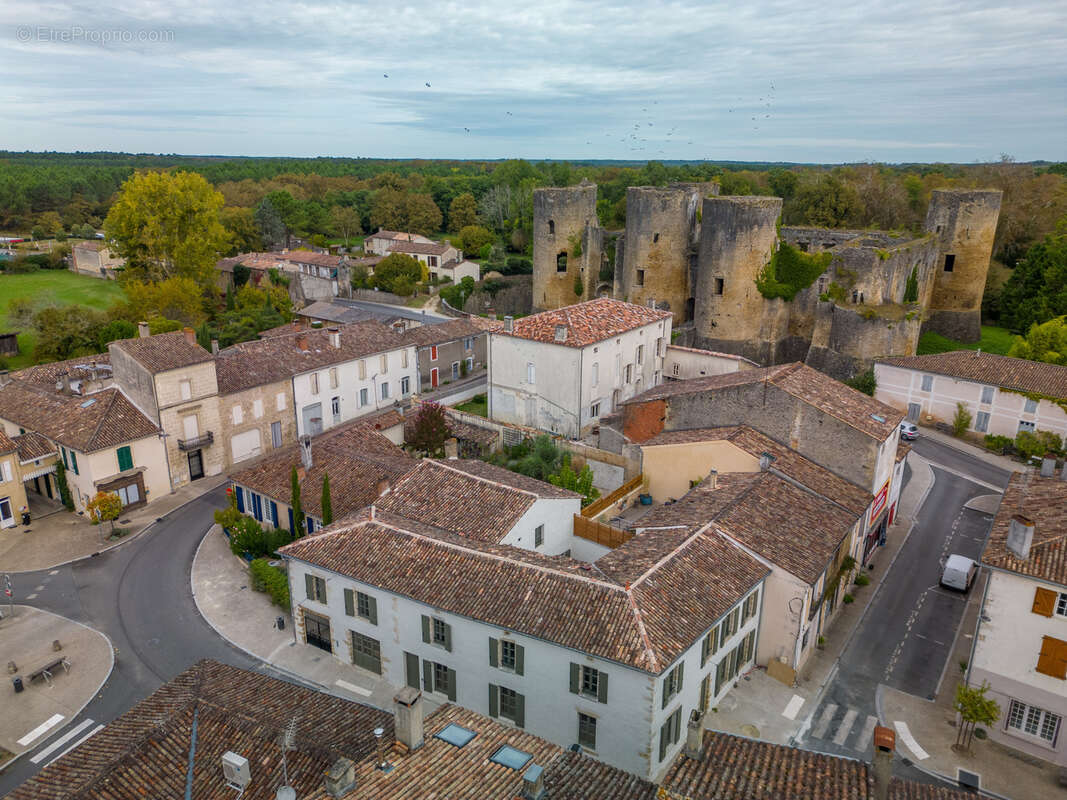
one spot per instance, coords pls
(903, 80)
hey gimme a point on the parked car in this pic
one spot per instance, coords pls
(958, 572)
(909, 431)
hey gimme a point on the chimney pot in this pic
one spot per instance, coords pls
(335, 338)
(143, 330)
(214, 347)
(190, 335)
(694, 736)
(509, 324)
(5, 377)
(713, 479)
(1048, 465)
(305, 451)
(408, 721)
(765, 461)
(340, 778)
(533, 782)
(302, 342)
(885, 741)
(1020, 536)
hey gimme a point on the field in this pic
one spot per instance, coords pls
(58, 286)
(994, 340)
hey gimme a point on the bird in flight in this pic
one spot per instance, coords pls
(427, 85)
(385, 76)
(468, 130)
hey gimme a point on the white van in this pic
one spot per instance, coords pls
(958, 572)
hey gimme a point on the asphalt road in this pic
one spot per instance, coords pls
(906, 637)
(139, 595)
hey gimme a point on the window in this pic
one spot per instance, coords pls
(335, 407)
(595, 373)
(186, 390)
(590, 682)
(257, 408)
(1053, 658)
(363, 369)
(1033, 721)
(1030, 407)
(670, 732)
(511, 705)
(749, 608)
(363, 398)
(238, 415)
(455, 370)
(404, 359)
(433, 353)
(1023, 426)
(640, 277)
(709, 645)
(675, 370)
(5, 472)
(358, 604)
(539, 535)
(950, 262)
(74, 462)
(313, 382)
(672, 684)
(279, 401)
(1061, 605)
(125, 459)
(586, 731)
(629, 373)
(981, 421)
(436, 631)
(705, 693)
(385, 390)
(333, 377)
(468, 343)
(405, 385)
(718, 285)
(987, 394)
(275, 434)
(506, 654)
(927, 383)
(659, 347)
(640, 354)
(561, 262)
(470, 365)
(366, 653)
(129, 494)
(531, 373)
(444, 680)
(384, 359)
(314, 586)
(594, 410)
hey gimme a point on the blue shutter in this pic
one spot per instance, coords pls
(74, 461)
(273, 513)
(292, 522)
(257, 507)
(240, 498)
(310, 525)
(66, 463)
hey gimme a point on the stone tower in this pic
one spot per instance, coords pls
(567, 244)
(738, 236)
(964, 223)
(660, 246)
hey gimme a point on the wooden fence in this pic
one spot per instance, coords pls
(600, 533)
(608, 500)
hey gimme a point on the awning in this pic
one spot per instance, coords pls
(29, 476)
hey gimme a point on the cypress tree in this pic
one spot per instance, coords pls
(298, 511)
(327, 503)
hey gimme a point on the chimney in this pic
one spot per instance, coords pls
(296, 324)
(1048, 465)
(885, 742)
(302, 342)
(301, 473)
(64, 383)
(561, 333)
(214, 347)
(340, 778)
(1020, 536)
(335, 338)
(1063, 472)
(5, 379)
(694, 736)
(142, 330)
(765, 460)
(509, 324)
(379, 750)
(533, 782)
(383, 487)
(712, 481)
(305, 451)
(652, 302)
(408, 721)
(190, 335)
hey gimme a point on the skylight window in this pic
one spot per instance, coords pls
(456, 735)
(508, 756)
(88, 402)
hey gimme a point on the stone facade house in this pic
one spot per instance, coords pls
(12, 491)
(382, 242)
(448, 352)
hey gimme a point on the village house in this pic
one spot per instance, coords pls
(94, 258)
(173, 380)
(12, 490)
(1020, 645)
(682, 363)
(382, 242)
(561, 370)
(442, 260)
(448, 352)
(1004, 395)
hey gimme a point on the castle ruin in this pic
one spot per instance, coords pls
(701, 256)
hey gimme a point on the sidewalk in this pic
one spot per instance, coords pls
(42, 709)
(993, 459)
(64, 536)
(247, 619)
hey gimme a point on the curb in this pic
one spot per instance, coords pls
(110, 669)
(974, 452)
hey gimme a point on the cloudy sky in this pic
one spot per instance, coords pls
(831, 81)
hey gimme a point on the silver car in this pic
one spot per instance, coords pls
(909, 431)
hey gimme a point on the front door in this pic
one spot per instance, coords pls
(914, 409)
(196, 465)
(434, 379)
(317, 632)
(7, 519)
(48, 486)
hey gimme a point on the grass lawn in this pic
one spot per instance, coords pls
(994, 340)
(479, 404)
(59, 286)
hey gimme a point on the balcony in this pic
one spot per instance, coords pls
(203, 440)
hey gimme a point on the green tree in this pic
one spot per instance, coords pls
(962, 420)
(294, 502)
(388, 210)
(580, 481)
(395, 267)
(474, 237)
(1045, 342)
(974, 709)
(104, 507)
(327, 501)
(177, 298)
(429, 431)
(272, 230)
(115, 330)
(864, 382)
(1037, 288)
(346, 222)
(783, 183)
(64, 488)
(826, 201)
(462, 211)
(67, 332)
(423, 215)
(166, 224)
(244, 233)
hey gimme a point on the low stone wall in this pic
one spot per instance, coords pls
(379, 297)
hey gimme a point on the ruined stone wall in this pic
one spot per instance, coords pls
(851, 337)
(964, 223)
(659, 223)
(563, 217)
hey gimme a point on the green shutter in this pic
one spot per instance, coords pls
(494, 700)
(66, 463)
(451, 684)
(309, 585)
(74, 462)
(520, 660)
(426, 629)
(448, 639)
(372, 607)
(576, 678)
(125, 459)
(663, 733)
(676, 725)
(681, 676)
(665, 691)
(411, 667)
(602, 687)
(493, 649)
(520, 710)
(427, 675)
(350, 603)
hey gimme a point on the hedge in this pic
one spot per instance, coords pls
(271, 580)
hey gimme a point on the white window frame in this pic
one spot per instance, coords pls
(531, 373)
(279, 401)
(405, 385)
(991, 391)
(594, 410)
(238, 415)
(1020, 714)
(363, 398)
(313, 383)
(385, 390)
(185, 389)
(926, 384)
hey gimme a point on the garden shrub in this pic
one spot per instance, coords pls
(271, 580)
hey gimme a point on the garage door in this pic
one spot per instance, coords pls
(245, 445)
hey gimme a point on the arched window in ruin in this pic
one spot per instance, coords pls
(551, 227)
(561, 262)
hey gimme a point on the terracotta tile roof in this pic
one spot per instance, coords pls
(145, 752)
(505, 477)
(575, 776)
(419, 248)
(646, 624)
(1044, 501)
(586, 323)
(355, 456)
(310, 257)
(163, 351)
(903, 448)
(426, 335)
(716, 353)
(1018, 374)
(47, 375)
(84, 423)
(786, 460)
(808, 385)
(9, 445)
(33, 446)
(255, 363)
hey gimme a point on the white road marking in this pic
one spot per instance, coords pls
(824, 721)
(909, 741)
(865, 734)
(792, 708)
(41, 730)
(845, 728)
(32, 596)
(54, 572)
(62, 740)
(351, 687)
(90, 734)
(39, 588)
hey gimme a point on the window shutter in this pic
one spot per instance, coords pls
(125, 459)
(448, 640)
(676, 725)
(493, 659)
(576, 677)
(663, 690)
(1044, 602)
(494, 700)
(602, 687)
(350, 603)
(309, 586)
(240, 498)
(1053, 658)
(425, 628)
(681, 676)
(451, 684)
(520, 710)
(274, 513)
(372, 607)
(411, 667)
(520, 660)
(664, 732)
(427, 675)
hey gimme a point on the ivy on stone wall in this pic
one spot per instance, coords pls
(790, 271)
(911, 288)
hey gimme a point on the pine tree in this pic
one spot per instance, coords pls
(327, 502)
(298, 511)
